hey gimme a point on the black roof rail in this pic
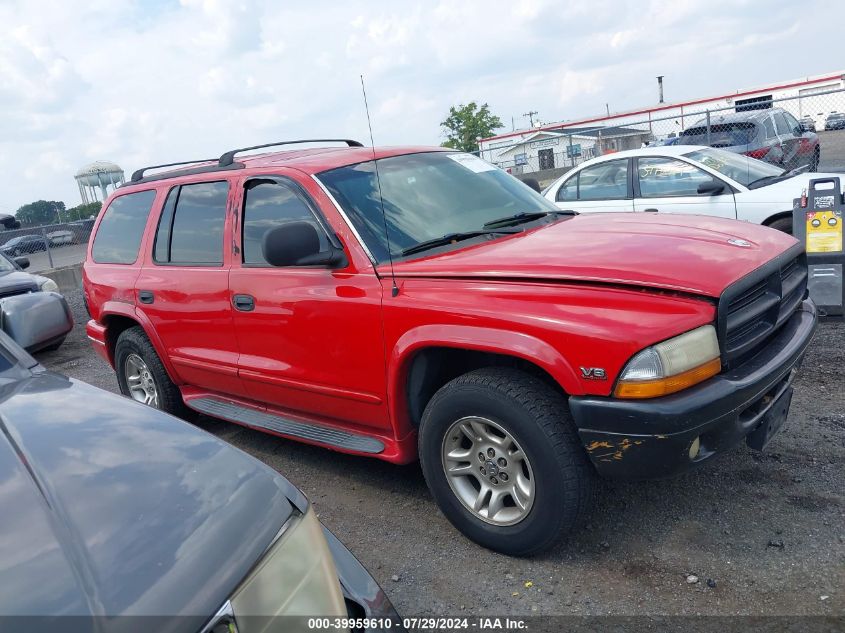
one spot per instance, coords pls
(229, 157)
(138, 174)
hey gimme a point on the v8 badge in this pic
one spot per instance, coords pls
(593, 373)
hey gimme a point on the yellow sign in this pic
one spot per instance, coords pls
(824, 231)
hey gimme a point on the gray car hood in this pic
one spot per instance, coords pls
(113, 508)
(16, 281)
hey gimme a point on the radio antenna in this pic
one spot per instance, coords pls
(395, 289)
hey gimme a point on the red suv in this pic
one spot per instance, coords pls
(406, 303)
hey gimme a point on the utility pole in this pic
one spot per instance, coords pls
(660, 88)
(530, 114)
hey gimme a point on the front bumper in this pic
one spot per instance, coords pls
(364, 598)
(647, 439)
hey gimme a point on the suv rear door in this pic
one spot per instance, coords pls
(310, 337)
(183, 287)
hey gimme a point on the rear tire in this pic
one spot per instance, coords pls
(782, 224)
(506, 408)
(134, 346)
(814, 163)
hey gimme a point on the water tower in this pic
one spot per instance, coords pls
(100, 174)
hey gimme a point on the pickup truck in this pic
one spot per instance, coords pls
(420, 303)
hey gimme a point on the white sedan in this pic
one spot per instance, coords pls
(683, 179)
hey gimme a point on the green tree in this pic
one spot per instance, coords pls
(41, 212)
(82, 211)
(466, 123)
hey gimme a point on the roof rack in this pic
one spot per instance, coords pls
(138, 174)
(229, 157)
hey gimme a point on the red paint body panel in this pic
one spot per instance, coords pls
(672, 252)
(334, 347)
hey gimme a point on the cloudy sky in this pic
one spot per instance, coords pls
(139, 82)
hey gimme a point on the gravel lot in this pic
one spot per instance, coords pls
(767, 529)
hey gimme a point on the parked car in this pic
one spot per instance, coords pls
(24, 244)
(439, 309)
(835, 121)
(683, 179)
(807, 123)
(31, 310)
(122, 510)
(61, 238)
(9, 222)
(771, 135)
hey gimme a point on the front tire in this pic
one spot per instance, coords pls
(501, 421)
(141, 374)
(782, 224)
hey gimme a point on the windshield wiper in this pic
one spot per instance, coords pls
(522, 218)
(768, 180)
(449, 238)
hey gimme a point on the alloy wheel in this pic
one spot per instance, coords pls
(488, 471)
(139, 380)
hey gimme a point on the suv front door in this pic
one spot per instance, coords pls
(669, 185)
(310, 338)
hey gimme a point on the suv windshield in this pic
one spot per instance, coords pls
(721, 134)
(427, 196)
(743, 169)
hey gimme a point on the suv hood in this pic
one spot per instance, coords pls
(15, 281)
(674, 252)
(114, 508)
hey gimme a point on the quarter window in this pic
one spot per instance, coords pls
(666, 177)
(568, 191)
(119, 234)
(268, 205)
(605, 181)
(190, 230)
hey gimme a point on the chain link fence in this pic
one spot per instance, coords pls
(805, 131)
(48, 246)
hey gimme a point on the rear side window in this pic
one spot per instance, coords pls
(605, 181)
(568, 191)
(770, 127)
(781, 124)
(190, 230)
(268, 205)
(119, 235)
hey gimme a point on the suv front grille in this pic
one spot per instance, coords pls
(752, 309)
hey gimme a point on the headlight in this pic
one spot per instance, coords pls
(296, 577)
(48, 285)
(672, 365)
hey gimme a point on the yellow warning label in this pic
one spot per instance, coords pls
(824, 231)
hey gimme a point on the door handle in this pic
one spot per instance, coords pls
(146, 296)
(244, 303)
(652, 210)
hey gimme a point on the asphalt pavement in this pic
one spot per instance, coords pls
(750, 533)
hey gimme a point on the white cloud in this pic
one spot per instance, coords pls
(161, 80)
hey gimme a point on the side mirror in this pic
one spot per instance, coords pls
(711, 188)
(23, 262)
(298, 244)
